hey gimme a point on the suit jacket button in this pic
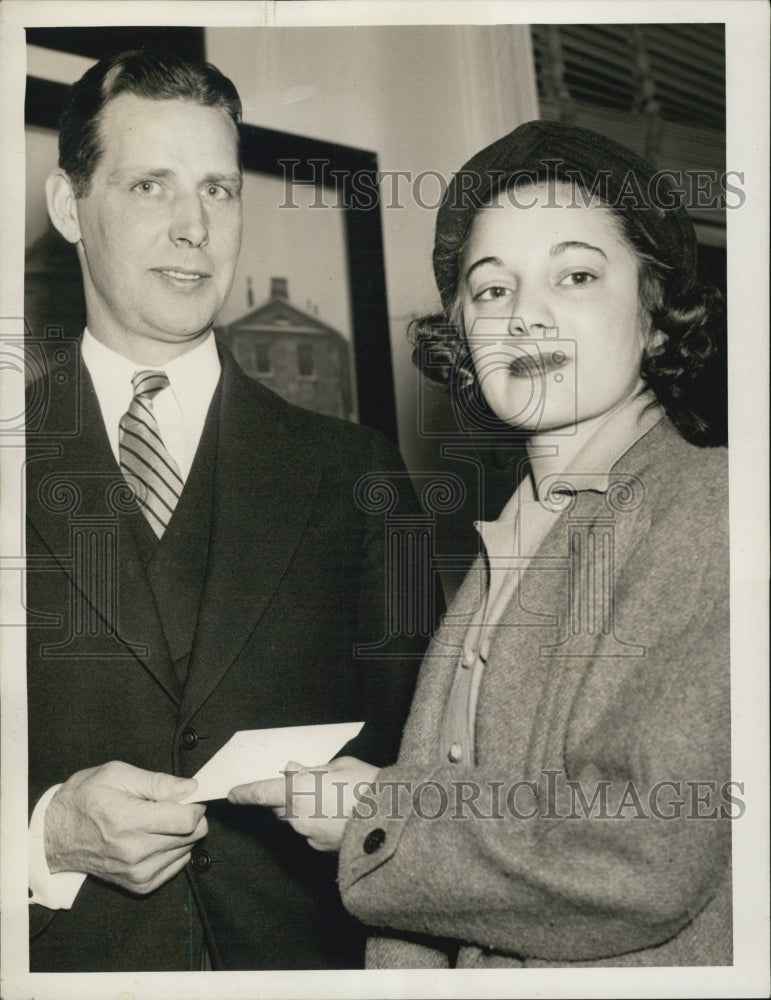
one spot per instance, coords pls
(455, 753)
(374, 841)
(189, 738)
(201, 861)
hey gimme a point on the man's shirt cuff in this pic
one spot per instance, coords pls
(54, 891)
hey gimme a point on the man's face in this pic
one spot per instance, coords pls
(160, 229)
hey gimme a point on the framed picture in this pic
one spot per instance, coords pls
(307, 315)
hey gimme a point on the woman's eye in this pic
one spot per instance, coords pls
(492, 292)
(578, 278)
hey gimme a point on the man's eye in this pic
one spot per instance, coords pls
(217, 192)
(147, 187)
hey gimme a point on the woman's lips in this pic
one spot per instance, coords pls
(527, 365)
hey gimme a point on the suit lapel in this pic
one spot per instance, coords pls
(264, 491)
(76, 497)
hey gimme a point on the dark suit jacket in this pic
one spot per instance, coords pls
(295, 579)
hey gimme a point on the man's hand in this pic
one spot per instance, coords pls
(124, 825)
(316, 801)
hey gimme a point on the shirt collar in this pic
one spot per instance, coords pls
(192, 376)
(107, 368)
(589, 467)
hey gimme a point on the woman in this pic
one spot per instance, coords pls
(562, 794)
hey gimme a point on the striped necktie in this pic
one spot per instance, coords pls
(147, 466)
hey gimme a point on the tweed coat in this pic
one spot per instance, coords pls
(637, 714)
(294, 580)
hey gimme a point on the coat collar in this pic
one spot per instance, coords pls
(586, 463)
(619, 506)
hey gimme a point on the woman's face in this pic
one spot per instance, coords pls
(549, 297)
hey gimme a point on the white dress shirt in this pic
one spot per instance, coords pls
(180, 411)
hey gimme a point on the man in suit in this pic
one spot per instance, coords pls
(198, 564)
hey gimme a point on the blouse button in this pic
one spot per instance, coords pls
(455, 753)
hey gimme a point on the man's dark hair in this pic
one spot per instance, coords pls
(154, 75)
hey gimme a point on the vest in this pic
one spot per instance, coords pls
(176, 563)
(175, 566)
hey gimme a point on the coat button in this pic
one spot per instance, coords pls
(455, 753)
(189, 738)
(201, 861)
(374, 841)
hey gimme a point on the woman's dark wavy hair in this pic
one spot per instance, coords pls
(687, 373)
(154, 75)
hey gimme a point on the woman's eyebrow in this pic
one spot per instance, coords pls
(478, 263)
(560, 248)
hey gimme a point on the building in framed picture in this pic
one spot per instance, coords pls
(293, 352)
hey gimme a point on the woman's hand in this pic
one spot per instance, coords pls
(316, 801)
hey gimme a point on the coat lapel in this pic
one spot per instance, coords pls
(77, 503)
(570, 558)
(264, 491)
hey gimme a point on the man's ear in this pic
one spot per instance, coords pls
(62, 206)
